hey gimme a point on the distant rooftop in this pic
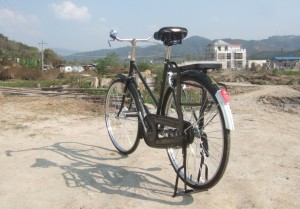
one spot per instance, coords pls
(286, 58)
(220, 43)
(223, 43)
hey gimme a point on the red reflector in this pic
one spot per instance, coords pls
(225, 95)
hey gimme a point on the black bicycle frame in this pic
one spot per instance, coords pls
(133, 68)
(158, 103)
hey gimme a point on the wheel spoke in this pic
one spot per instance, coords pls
(121, 115)
(205, 156)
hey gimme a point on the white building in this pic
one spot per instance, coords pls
(256, 63)
(71, 69)
(229, 54)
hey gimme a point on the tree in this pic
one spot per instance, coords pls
(5, 59)
(189, 57)
(30, 63)
(143, 66)
(10, 50)
(51, 57)
(104, 64)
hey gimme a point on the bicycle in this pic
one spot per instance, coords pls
(192, 122)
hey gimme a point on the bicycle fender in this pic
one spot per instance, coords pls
(223, 100)
(124, 78)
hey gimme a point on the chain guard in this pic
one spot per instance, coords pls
(163, 132)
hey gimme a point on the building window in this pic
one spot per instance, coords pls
(226, 48)
(221, 56)
(238, 55)
(228, 56)
(238, 64)
(219, 48)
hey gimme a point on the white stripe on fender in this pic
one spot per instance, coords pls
(225, 110)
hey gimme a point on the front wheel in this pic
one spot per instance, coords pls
(121, 116)
(207, 156)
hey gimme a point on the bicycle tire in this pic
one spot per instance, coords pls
(123, 130)
(208, 155)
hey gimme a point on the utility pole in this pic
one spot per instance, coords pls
(42, 43)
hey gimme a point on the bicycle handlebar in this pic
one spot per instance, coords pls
(133, 41)
(113, 35)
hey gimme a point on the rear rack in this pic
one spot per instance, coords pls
(201, 66)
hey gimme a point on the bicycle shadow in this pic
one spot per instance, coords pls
(86, 169)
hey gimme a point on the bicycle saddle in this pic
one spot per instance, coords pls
(171, 35)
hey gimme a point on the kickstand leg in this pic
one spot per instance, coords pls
(176, 182)
(178, 171)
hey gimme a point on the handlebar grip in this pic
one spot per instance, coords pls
(113, 34)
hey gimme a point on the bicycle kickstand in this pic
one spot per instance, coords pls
(178, 171)
(184, 138)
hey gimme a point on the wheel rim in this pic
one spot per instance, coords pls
(205, 154)
(122, 130)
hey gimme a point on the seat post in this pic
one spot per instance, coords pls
(133, 50)
(168, 53)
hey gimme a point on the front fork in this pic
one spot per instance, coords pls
(138, 113)
(127, 82)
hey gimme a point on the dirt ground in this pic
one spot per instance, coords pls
(55, 153)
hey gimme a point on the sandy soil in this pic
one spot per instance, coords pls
(56, 153)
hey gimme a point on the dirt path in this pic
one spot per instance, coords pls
(56, 154)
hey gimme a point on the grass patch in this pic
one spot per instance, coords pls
(286, 72)
(30, 83)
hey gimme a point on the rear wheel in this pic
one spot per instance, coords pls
(122, 120)
(208, 155)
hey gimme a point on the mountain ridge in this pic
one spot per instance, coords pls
(194, 47)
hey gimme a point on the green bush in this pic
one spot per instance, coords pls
(285, 72)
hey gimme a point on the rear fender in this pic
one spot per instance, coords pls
(223, 100)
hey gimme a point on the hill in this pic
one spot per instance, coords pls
(11, 49)
(64, 52)
(28, 56)
(194, 48)
(273, 46)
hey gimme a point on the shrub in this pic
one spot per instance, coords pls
(6, 74)
(18, 72)
(30, 74)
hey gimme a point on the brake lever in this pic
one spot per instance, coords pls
(109, 42)
(113, 35)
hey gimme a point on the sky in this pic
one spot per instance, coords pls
(84, 25)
